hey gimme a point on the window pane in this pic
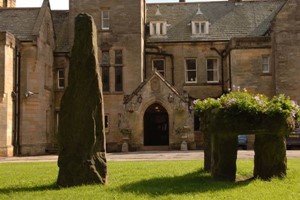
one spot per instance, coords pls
(265, 64)
(106, 121)
(197, 27)
(191, 70)
(60, 78)
(210, 76)
(118, 57)
(211, 64)
(212, 70)
(105, 78)
(105, 14)
(105, 19)
(105, 58)
(118, 79)
(191, 64)
(159, 65)
(191, 76)
(202, 27)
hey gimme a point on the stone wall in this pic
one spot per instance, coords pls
(126, 33)
(37, 111)
(7, 46)
(286, 51)
(7, 3)
(181, 51)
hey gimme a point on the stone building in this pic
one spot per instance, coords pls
(155, 60)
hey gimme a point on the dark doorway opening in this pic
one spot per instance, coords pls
(156, 126)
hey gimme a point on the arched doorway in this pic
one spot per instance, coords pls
(156, 126)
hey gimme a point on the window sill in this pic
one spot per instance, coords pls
(202, 84)
(59, 90)
(199, 35)
(158, 36)
(104, 30)
(113, 93)
(266, 74)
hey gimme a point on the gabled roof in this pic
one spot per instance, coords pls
(128, 98)
(60, 21)
(227, 19)
(19, 21)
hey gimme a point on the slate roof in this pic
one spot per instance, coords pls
(60, 21)
(19, 21)
(227, 19)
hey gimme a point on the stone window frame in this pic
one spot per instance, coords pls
(265, 64)
(190, 70)
(158, 28)
(215, 69)
(161, 72)
(105, 19)
(200, 27)
(61, 78)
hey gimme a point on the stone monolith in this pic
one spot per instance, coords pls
(81, 135)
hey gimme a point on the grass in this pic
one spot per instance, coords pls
(147, 180)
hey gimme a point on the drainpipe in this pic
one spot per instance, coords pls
(16, 102)
(167, 55)
(222, 54)
(229, 66)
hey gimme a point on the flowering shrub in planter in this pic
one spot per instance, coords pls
(236, 113)
(242, 111)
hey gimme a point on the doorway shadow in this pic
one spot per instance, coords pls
(195, 182)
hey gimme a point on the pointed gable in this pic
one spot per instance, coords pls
(154, 82)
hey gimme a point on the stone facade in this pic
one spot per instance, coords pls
(7, 51)
(258, 52)
(285, 51)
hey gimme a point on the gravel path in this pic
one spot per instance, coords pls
(146, 155)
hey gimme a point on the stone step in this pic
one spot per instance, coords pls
(155, 148)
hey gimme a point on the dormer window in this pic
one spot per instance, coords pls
(158, 28)
(199, 27)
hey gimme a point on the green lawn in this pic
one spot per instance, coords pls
(147, 180)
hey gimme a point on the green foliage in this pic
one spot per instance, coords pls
(282, 105)
(236, 104)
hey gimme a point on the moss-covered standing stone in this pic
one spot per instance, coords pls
(270, 156)
(81, 134)
(224, 155)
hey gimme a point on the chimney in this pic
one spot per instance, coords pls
(181, 0)
(7, 3)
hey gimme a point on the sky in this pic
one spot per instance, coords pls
(64, 4)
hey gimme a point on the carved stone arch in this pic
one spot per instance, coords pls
(169, 126)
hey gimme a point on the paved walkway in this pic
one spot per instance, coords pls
(144, 155)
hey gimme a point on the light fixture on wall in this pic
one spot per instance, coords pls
(29, 93)
(170, 98)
